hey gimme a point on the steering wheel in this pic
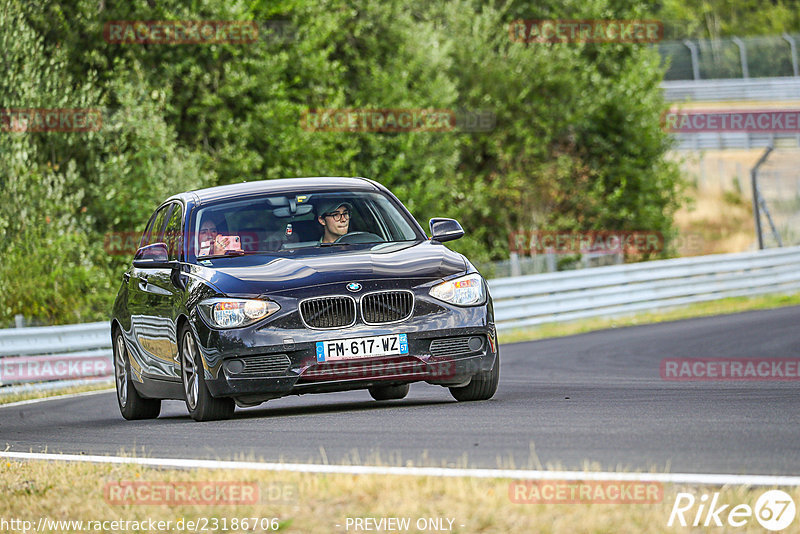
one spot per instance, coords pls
(360, 237)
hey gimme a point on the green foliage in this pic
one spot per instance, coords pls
(50, 264)
(712, 19)
(577, 143)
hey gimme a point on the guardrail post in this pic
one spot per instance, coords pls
(695, 58)
(19, 320)
(742, 56)
(550, 262)
(754, 183)
(793, 50)
(516, 268)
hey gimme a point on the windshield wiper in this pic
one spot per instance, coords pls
(228, 254)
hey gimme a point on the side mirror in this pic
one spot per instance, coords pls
(153, 256)
(445, 229)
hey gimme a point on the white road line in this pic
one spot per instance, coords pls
(56, 397)
(180, 463)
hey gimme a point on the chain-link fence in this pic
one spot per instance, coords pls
(778, 182)
(745, 57)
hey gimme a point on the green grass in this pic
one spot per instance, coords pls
(28, 395)
(704, 309)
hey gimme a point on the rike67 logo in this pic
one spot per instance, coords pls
(774, 510)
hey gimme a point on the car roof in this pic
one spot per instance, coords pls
(283, 185)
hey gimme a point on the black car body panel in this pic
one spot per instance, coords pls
(256, 275)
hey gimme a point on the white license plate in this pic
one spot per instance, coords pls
(362, 347)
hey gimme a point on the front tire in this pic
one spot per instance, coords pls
(201, 405)
(131, 405)
(482, 386)
(382, 393)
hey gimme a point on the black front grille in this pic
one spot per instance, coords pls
(328, 312)
(268, 364)
(455, 346)
(387, 306)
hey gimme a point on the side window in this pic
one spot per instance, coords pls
(143, 239)
(173, 236)
(155, 231)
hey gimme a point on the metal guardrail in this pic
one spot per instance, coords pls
(64, 355)
(728, 140)
(733, 90)
(754, 89)
(526, 301)
(68, 354)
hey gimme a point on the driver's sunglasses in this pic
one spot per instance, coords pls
(339, 215)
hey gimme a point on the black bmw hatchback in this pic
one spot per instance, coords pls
(243, 293)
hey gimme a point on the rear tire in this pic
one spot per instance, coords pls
(131, 405)
(382, 393)
(201, 405)
(482, 386)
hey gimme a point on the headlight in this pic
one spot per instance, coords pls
(230, 313)
(464, 291)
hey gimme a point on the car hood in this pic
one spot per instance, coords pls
(256, 275)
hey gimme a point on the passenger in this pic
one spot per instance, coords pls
(209, 245)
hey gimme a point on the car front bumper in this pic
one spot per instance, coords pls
(446, 346)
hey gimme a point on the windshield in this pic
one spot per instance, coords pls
(278, 224)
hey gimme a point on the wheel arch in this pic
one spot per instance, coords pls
(115, 325)
(180, 323)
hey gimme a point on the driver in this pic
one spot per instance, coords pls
(335, 220)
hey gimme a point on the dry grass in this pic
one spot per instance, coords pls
(718, 214)
(714, 223)
(318, 503)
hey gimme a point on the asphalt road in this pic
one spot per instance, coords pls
(594, 398)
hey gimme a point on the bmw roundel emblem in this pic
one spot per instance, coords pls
(354, 286)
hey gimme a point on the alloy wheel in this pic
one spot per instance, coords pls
(121, 372)
(189, 370)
